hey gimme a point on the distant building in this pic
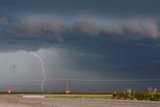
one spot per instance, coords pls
(10, 90)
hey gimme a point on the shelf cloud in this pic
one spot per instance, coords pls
(46, 32)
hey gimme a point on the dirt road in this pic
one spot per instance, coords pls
(13, 101)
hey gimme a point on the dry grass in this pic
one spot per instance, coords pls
(81, 96)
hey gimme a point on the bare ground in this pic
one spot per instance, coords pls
(16, 101)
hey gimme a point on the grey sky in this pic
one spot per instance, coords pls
(102, 8)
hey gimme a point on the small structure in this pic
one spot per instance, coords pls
(67, 92)
(10, 90)
(67, 87)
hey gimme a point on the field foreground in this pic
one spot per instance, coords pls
(40, 101)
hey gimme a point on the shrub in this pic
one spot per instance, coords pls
(129, 94)
(142, 96)
(152, 91)
(156, 97)
(118, 95)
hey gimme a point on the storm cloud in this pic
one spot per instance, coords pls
(31, 25)
(46, 32)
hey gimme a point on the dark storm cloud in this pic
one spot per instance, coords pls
(42, 22)
(33, 27)
(69, 8)
(32, 33)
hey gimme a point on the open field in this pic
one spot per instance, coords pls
(55, 101)
(80, 96)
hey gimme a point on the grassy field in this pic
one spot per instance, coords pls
(124, 95)
(82, 96)
(60, 95)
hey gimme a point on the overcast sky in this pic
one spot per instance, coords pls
(79, 40)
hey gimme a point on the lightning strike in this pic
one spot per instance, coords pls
(43, 70)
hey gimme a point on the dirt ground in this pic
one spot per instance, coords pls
(16, 101)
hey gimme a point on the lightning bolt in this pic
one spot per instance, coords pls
(43, 69)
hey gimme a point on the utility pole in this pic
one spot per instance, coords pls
(67, 87)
